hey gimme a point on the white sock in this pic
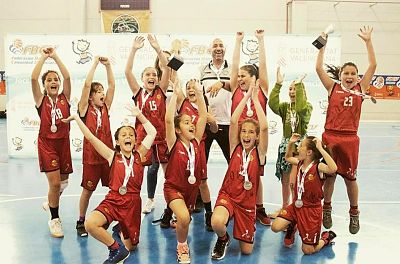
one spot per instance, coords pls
(63, 185)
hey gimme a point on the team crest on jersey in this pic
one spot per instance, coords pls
(54, 163)
(89, 184)
(62, 102)
(223, 201)
(106, 210)
(283, 212)
(158, 97)
(311, 177)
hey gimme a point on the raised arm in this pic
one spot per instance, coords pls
(291, 148)
(365, 34)
(138, 43)
(98, 145)
(37, 92)
(169, 118)
(201, 104)
(236, 61)
(151, 132)
(274, 100)
(327, 82)
(166, 72)
(330, 166)
(262, 70)
(301, 99)
(110, 81)
(83, 102)
(64, 72)
(262, 122)
(234, 125)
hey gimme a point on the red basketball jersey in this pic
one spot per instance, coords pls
(90, 155)
(191, 110)
(238, 96)
(177, 172)
(233, 181)
(344, 110)
(153, 108)
(313, 193)
(62, 111)
(117, 174)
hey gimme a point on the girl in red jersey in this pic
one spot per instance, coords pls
(184, 171)
(93, 109)
(123, 202)
(237, 197)
(346, 96)
(53, 140)
(240, 81)
(305, 212)
(189, 107)
(151, 99)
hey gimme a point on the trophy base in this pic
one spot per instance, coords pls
(175, 62)
(319, 42)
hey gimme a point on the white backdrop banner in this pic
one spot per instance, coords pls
(294, 53)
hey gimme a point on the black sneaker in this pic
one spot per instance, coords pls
(327, 237)
(117, 255)
(207, 218)
(220, 247)
(165, 220)
(80, 229)
(199, 204)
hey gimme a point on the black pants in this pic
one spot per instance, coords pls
(222, 138)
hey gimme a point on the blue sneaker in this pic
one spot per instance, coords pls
(117, 255)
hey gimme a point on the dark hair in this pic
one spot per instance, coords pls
(94, 86)
(177, 120)
(335, 71)
(116, 135)
(252, 69)
(158, 69)
(44, 76)
(310, 145)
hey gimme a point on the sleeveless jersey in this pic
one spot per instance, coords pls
(154, 109)
(313, 193)
(233, 181)
(177, 172)
(238, 96)
(90, 155)
(62, 108)
(344, 110)
(117, 174)
(191, 110)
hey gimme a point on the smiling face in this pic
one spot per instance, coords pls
(217, 50)
(149, 78)
(248, 135)
(51, 83)
(349, 76)
(292, 92)
(184, 128)
(191, 91)
(244, 79)
(97, 95)
(125, 140)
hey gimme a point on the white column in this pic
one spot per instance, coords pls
(299, 16)
(77, 16)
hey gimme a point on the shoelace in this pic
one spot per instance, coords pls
(183, 252)
(220, 246)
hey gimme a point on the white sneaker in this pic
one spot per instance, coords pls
(149, 206)
(55, 227)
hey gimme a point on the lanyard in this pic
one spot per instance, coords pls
(191, 154)
(53, 127)
(245, 164)
(98, 114)
(249, 111)
(144, 98)
(128, 169)
(300, 182)
(216, 71)
(293, 118)
(357, 93)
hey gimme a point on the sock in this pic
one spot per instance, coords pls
(224, 237)
(181, 244)
(259, 206)
(81, 219)
(207, 206)
(54, 212)
(113, 246)
(354, 210)
(327, 205)
(63, 185)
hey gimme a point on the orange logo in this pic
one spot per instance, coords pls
(106, 210)
(54, 163)
(283, 212)
(158, 97)
(89, 184)
(223, 201)
(311, 177)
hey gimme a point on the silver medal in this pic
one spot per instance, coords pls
(247, 185)
(53, 128)
(122, 190)
(249, 113)
(192, 179)
(298, 203)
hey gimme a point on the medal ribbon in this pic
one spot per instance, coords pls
(144, 98)
(357, 93)
(245, 164)
(293, 118)
(216, 71)
(191, 154)
(98, 114)
(300, 182)
(128, 169)
(53, 110)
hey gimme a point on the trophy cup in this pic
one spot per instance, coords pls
(175, 62)
(321, 40)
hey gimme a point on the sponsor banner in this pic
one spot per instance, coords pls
(385, 87)
(295, 55)
(125, 21)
